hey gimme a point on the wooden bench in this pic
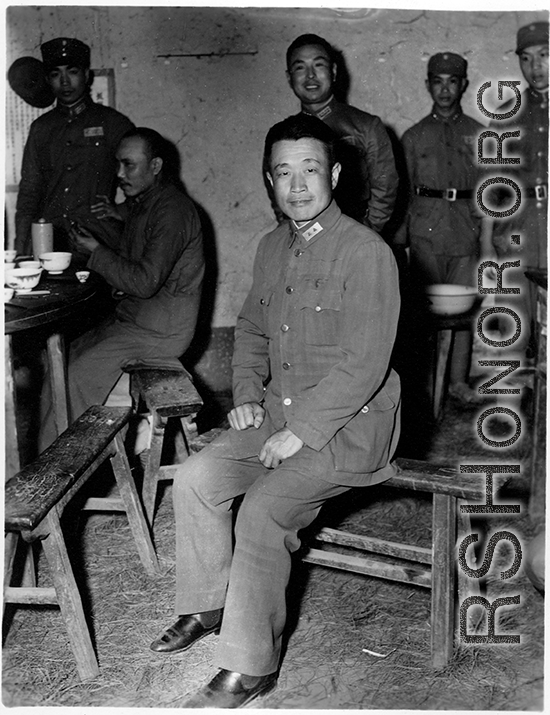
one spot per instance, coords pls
(35, 499)
(433, 568)
(166, 393)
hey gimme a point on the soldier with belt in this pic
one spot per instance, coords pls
(443, 222)
(530, 222)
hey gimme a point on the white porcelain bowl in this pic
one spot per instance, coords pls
(23, 279)
(56, 261)
(30, 264)
(8, 294)
(449, 299)
(9, 255)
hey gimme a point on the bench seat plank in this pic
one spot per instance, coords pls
(32, 492)
(170, 393)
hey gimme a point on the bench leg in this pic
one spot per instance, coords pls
(134, 511)
(151, 469)
(443, 579)
(69, 599)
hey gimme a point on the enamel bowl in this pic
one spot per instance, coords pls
(23, 279)
(449, 299)
(55, 261)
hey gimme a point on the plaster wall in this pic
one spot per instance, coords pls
(217, 102)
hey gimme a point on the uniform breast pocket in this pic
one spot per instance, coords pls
(320, 314)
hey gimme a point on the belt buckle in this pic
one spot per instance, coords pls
(450, 194)
(541, 192)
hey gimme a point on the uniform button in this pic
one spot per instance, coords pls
(286, 366)
(284, 328)
(66, 189)
(365, 409)
(289, 289)
(298, 252)
(539, 205)
(541, 129)
(540, 153)
(287, 401)
(69, 167)
(262, 301)
(69, 142)
(317, 308)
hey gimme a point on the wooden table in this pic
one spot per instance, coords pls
(67, 300)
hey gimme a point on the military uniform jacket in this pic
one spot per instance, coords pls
(158, 263)
(530, 221)
(442, 154)
(314, 338)
(68, 160)
(367, 187)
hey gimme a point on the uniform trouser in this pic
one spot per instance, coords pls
(250, 579)
(96, 360)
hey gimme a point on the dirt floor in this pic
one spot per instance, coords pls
(353, 642)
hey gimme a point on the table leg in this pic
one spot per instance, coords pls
(13, 462)
(58, 378)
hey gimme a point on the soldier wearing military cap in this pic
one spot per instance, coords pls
(69, 159)
(442, 225)
(530, 221)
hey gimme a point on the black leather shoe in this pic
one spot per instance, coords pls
(181, 636)
(231, 690)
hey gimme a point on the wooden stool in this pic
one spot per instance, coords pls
(431, 568)
(166, 393)
(445, 327)
(35, 499)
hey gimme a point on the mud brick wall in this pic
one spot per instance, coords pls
(212, 80)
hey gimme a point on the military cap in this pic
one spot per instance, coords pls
(27, 78)
(536, 33)
(65, 51)
(447, 63)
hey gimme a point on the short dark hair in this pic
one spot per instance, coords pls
(299, 126)
(310, 39)
(154, 144)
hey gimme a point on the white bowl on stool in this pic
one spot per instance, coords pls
(55, 261)
(450, 299)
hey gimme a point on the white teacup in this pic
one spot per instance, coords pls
(9, 255)
(31, 264)
(83, 276)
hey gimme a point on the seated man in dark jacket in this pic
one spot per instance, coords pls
(157, 265)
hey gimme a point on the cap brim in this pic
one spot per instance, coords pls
(27, 77)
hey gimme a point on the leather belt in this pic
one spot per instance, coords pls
(447, 194)
(539, 192)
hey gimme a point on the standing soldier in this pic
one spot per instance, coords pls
(69, 159)
(531, 174)
(368, 181)
(443, 223)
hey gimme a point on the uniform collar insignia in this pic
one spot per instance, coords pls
(312, 231)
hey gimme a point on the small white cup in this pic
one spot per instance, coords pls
(82, 276)
(9, 255)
